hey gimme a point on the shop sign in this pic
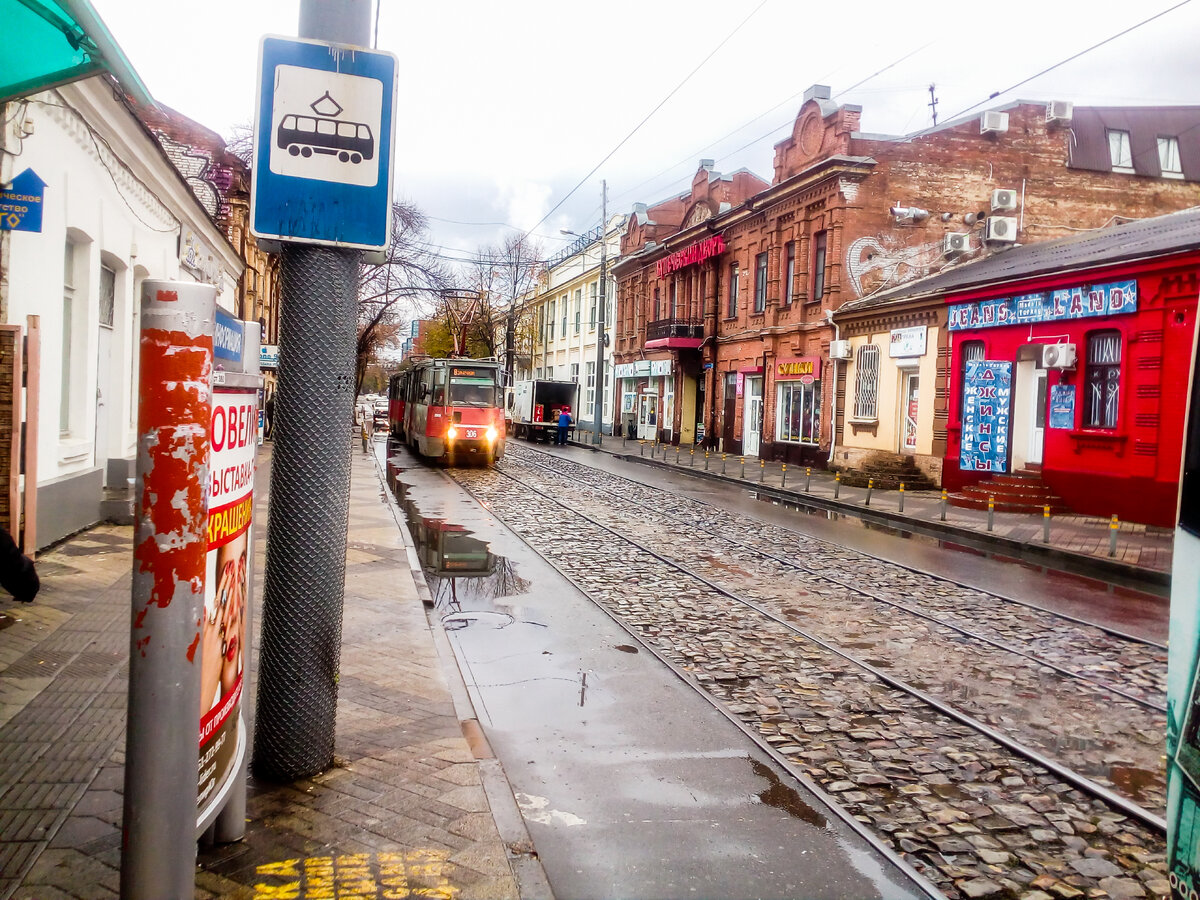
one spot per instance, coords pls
(1062, 406)
(1109, 299)
(907, 342)
(741, 382)
(21, 204)
(692, 255)
(228, 336)
(660, 367)
(635, 369)
(805, 369)
(268, 356)
(985, 426)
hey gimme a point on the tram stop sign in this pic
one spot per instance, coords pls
(323, 136)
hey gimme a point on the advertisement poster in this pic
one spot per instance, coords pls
(223, 654)
(1062, 406)
(987, 397)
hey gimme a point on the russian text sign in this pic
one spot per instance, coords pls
(987, 395)
(1062, 406)
(1047, 306)
(323, 144)
(21, 205)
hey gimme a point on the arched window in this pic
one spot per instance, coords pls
(866, 383)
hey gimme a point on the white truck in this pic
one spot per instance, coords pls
(535, 406)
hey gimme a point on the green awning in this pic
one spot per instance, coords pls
(52, 42)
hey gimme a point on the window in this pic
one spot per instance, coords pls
(1118, 151)
(575, 372)
(108, 295)
(68, 316)
(819, 241)
(608, 374)
(733, 290)
(578, 308)
(1168, 157)
(760, 282)
(799, 418)
(866, 383)
(590, 388)
(789, 274)
(1102, 380)
(592, 293)
(541, 328)
(550, 323)
(566, 300)
(674, 297)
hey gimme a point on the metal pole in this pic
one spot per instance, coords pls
(870, 488)
(723, 456)
(837, 484)
(310, 481)
(158, 847)
(1113, 526)
(598, 412)
(991, 512)
(807, 478)
(901, 509)
(1046, 524)
(783, 480)
(945, 496)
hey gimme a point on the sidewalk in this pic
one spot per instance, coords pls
(414, 804)
(1078, 544)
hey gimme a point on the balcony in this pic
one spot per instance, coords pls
(675, 334)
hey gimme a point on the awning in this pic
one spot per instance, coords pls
(52, 42)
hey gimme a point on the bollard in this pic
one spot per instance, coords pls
(705, 460)
(870, 488)
(1112, 535)
(1046, 524)
(623, 440)
(723, 463)
(692, 458)
(743, 475)
(676, 454)
(807, 478)
(991, 511)
(945, 495)
(901, 497)
(837, 484)
(762, 470)
(783, 482)
(641, 448)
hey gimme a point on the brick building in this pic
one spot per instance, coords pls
(848, 214)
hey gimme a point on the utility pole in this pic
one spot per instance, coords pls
(598, 413)
(933, 102)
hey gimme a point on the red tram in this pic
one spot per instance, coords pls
(448, 409)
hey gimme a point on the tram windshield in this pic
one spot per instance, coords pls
(473, 390)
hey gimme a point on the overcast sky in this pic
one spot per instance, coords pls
(505, 107)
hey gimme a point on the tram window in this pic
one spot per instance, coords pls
(472, 392)
(364, 132)
(302, 124)
(346, 129)
(324, 126)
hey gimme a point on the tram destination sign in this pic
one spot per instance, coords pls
(323, 144)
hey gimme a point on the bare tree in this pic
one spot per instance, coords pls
(505, 275)
(241, 142)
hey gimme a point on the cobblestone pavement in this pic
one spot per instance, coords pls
(1138, 547)
(411, 807)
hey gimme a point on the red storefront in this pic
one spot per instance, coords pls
(1080, 374)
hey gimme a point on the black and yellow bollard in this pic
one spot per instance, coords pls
(1113, 527)
(705, 460)
(945, 496)
(783, 479)
(991, 511)
(1046, 524)
(901, 509)
(807, 478)
(870, 489)
(837, 484)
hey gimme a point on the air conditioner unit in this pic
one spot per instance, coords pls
(1059, 112)
(839, 349)
(992, 122)
(1003, 199)
(1000, 229)
(955, 242)
(1058, 356)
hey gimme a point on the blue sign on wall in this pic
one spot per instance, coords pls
(323, 144)
(227, 337)
(21, 205)
(1062, 406)
(1047, 306)
(987, 397)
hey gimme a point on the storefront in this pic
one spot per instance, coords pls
(798, 401)
(647, 391)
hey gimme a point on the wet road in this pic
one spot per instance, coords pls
(631, 783)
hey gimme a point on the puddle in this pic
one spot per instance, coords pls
(1132, 781)
(456, 621)
(782, 797)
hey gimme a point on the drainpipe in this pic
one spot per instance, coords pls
(833, 405)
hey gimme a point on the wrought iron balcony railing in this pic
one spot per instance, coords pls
(674, 328)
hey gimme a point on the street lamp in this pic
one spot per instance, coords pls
(598, 407)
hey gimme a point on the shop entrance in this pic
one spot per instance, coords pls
(647, 423)
(909, 384)
(1029, 413)
(752, 421)
(729, 413)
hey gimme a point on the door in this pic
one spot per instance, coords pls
(104, 392)
(729, 413)
(1037, 421)
(909, 384)
(752, 424)
(647, 417)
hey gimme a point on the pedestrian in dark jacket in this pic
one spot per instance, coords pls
(17, 574)
(564, 423)
(269, 425)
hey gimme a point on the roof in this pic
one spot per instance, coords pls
(1090, 126)
(1160, 236)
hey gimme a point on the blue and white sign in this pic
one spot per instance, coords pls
(987, 397)
(1047, 306)
(227, 337)
(1062, 406)
(21, 205)
(268, 356)
(323, 144)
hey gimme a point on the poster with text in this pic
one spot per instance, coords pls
(987, 397)
(223, 653)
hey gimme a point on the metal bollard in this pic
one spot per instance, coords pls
(641, 448)
(837, 484)
(901, 497)
(723, 455)
(1046, 524)
(762, 470)
(1113, 526)
(783, 482)
(692, 458)
(676, 454)
(991, 511)
(945, 495)
(870, 488)
(623, 440)
(705, 460)
(743, 475)
(807, 478)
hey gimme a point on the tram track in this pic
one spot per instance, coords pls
(910, 766)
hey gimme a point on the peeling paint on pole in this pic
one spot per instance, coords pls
(170, 546)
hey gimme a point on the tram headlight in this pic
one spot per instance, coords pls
(451, 432)
(491, 432)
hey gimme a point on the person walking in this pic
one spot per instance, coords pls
(564, 424)
(364, 426)
(269, 425)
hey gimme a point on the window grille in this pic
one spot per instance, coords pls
(866, 383)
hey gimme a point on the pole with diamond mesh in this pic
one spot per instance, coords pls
(310, 481)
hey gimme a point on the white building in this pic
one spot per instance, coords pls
(564, 311)
(115, 212)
